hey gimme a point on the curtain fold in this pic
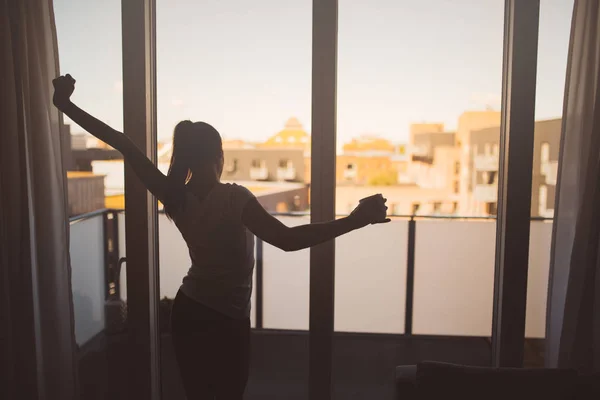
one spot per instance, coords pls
(37, 343)
(573, 323)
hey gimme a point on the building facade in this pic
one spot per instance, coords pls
(484, 158)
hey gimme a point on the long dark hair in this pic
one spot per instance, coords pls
(196, 145)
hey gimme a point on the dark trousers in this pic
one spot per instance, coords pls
(212, 350)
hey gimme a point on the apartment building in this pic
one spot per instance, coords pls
(483, 182)
(292, 136)
(469, 122)
(371, 160)
(264, 164)
(434, 157)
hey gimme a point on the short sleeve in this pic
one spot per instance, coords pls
(240, 196)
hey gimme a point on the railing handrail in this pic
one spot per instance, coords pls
(307, 214)
(91, 214)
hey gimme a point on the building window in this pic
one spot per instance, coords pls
(454, 207)
(456, 186)
(415, 208)
(491, 208)
(278, 139)
(231, 166)
(350, 173)
(256, 163)
(285, 163)
(488, 178)
(297, 203)
(545, 156)
(437, 207)
(291, 139)
(457, 167)
(281, 207)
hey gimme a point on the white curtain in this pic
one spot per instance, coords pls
(573, 329)
(36, 325)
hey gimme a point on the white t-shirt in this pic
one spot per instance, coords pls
(221, 249)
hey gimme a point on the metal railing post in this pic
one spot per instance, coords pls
(259, 283)
(410, 277)
(111, 252)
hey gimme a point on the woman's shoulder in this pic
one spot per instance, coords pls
(235, 188)
(238, 195)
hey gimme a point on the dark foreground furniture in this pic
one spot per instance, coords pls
(433, 380)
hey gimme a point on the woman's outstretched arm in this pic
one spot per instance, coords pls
(154, 180)
(274, 232)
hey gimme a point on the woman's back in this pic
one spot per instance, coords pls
(221, 249)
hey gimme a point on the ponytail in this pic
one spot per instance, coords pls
(195, 145)
(179, 167)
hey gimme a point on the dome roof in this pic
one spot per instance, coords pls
(292, 135)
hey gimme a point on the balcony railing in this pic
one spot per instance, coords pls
(486, 193)
(485, 163)
(286, 174)
(350, 174)
(415, 275)
(259, 173)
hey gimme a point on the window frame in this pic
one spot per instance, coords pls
(516, 158)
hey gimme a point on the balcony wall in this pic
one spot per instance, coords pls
(486, 193)
(87, 277)
(453, 285)
(453, 288)
(486, 163)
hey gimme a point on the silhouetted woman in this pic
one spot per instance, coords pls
(210, 316)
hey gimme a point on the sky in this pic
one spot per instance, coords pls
(245, 66)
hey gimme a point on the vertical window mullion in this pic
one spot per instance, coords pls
(140, 207)
(322, 258)
(515, 179)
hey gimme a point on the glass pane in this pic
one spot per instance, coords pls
(447, 301)
(370, 286)
(244, 68)
(89, 43)
(286, 284)
(87, 277)
(553, 46)
(418, 121)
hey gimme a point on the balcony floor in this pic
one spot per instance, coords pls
(363, 364)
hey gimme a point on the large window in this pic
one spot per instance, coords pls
(89, 43)
(430, 82)
(245, 68)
